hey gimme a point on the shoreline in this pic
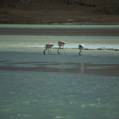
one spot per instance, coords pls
(65, 51)
(87, 20)
(56, 16)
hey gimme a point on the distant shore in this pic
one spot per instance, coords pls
(55, 16)
(106, 20)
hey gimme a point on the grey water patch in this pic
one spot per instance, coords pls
(58, 95)
(77, 68)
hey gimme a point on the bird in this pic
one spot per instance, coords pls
(80, 47)
(48, 47)
(61, 46)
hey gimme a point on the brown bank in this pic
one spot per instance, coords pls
(55, 11)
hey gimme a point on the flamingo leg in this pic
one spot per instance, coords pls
(79, 51)
(44, 51)
(59, 50)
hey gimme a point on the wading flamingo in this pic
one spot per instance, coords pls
(61, 46)
(80, 47)
(47, 48)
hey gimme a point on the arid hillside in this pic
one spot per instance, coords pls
(59, 11)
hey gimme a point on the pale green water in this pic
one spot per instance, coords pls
(67, 26)
(39, 95)
(56, 95)
(24, 41)
(30, 94)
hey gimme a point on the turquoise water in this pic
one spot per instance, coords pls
(28, 94)
(39, 95)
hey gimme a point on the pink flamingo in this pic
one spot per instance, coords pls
(61, 46)
(47, 48)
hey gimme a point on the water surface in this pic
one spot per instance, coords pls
(66, 86)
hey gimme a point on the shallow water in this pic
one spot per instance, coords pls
(66, 86)
(57, 94)
(20, 42)
(58, 26)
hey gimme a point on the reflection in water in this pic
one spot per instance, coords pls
(82, 67)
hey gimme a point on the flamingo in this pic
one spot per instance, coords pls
(48, 46)
(80, 47)
(61, 46)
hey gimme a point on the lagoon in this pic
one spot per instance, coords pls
(66, 86)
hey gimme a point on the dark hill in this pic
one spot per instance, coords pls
(57, 11)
